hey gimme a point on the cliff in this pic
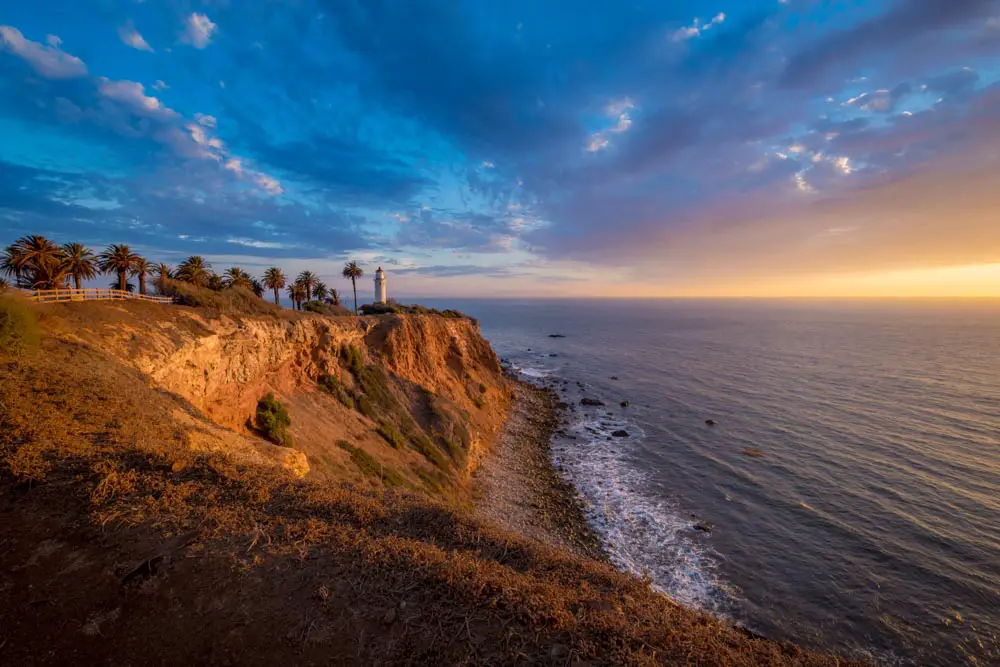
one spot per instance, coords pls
(144, 520)
(433, 382)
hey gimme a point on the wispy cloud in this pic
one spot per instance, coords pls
(130, 36)
(198, 30)
(49, 60)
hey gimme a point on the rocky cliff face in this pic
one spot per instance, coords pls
(420, 395)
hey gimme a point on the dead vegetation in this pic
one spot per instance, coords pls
(122, 545)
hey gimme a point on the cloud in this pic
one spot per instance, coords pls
(198, 30)
(132, 95)
(904, 23)
(130, 36)
(160, 85)
(48, 61)
(697, 27)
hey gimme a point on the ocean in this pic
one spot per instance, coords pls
(847, 496)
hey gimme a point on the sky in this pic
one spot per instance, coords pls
(518, 148)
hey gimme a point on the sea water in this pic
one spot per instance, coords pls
(847, 496)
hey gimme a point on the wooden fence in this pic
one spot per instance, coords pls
(91, 294)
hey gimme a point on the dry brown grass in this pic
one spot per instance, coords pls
(126, 547)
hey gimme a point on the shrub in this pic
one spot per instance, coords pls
(325, 309)
(391, 435)
(366, 408)
(233, 300)
(18, 325)
(479, 402)
(272, 420)
(430, 451)
(370, 467)
(331, 385)
(432, 482)
(482, 388)
(352, 359)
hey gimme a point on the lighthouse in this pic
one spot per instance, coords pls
(380, 286)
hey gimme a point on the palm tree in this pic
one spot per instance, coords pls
(320, 291)
(12, 263)
(353, 271)
(34, 249)
(163, 274)
(81, 262)
(275, 280)
(308, 281)
(49, 272)
(143, 267)
(334, 297)
(129, 287)
(257, 287)
(297, 293)
(237, 277)
(195, 270)
(215, 283)
(118, 259)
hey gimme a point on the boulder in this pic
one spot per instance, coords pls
(710, 422)
(556, 336)
(620, 433)
(591, 401)
(625, 404)
(703, 527)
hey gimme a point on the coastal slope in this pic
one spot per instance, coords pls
(144, 518)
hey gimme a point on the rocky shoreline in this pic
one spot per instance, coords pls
(518, 486)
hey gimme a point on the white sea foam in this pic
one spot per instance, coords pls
(643, 534)
(533, 372)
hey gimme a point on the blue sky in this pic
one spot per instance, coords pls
(517, 148)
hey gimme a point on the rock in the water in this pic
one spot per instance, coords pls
(625, 404)
(591, 401)
(553, 354)
(556, 336)
(703, 527)
(614, 377)
(755, 453)
(620, 433)
(710, 422)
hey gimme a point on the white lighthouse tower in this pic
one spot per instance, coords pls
(380, 286)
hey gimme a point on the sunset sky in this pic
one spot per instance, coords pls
(518, 148)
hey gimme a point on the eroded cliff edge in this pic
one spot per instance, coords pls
(421, 395)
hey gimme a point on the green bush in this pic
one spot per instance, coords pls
(325, 309)
(332, 385)
(391, 435)
(479, 402)
(370, 467)
(366, 408)
(482, 388)
(352, 359)
(233, 301)
(18, 325)
(430, 451)
(272, 420)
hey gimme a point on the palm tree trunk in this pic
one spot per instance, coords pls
(354, 284)
(121, 280)
(77, 279)
(276, 296)
(142, 283)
